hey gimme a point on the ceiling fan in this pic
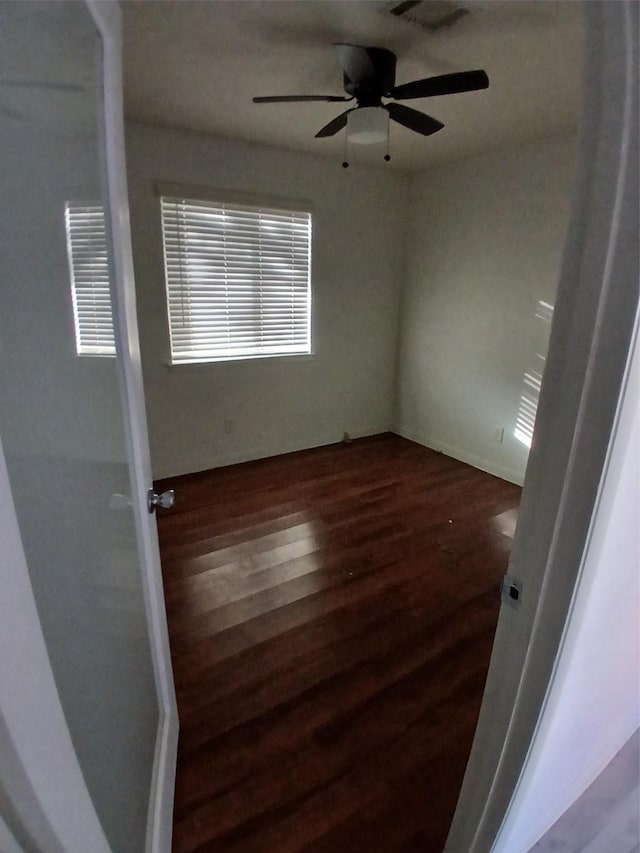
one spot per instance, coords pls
(369, 76)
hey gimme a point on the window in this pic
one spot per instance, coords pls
(238, 280)
(532, 380)
(89, 271)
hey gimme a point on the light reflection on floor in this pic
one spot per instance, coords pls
(505, 523)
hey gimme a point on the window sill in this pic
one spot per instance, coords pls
(243, 360)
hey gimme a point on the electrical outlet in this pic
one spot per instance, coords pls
(498, 435)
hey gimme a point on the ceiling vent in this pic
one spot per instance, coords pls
(431, 15)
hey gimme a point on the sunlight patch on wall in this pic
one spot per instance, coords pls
(532, 380)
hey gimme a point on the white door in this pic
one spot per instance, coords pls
(88, 726)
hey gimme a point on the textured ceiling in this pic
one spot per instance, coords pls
(197, 65)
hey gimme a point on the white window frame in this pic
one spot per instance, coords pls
(246, 204)
(94, 335)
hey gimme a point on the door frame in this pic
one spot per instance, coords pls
(590, 344)
(45, 802)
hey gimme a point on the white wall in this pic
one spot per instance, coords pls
(593, 705)
(484, 247)
(273, 405)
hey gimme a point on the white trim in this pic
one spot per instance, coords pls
(589, 349)
(320, 439)
(160, 817)
(223, 196)
(479, 462)
(159, 826)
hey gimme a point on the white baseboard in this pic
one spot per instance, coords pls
(203, 463)
(160, 815)
(461, 455)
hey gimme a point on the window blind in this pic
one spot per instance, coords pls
(89, 272)
(238, 280)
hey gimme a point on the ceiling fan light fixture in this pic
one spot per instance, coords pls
(368, 125)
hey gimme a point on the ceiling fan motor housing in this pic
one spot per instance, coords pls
(380, 82)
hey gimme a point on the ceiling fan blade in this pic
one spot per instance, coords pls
(334, 125)
(291, 99)
(445, 84)
(356, 63)
(414, 120)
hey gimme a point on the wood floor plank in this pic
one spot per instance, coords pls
(353, 691)
(331, 615)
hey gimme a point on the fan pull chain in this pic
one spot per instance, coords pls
(345, 162)
(387, 156)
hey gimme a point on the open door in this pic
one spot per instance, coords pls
(88, 723)
(589, 353)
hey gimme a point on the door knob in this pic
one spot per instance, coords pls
(166, 500)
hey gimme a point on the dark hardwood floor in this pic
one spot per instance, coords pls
(331, 615)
